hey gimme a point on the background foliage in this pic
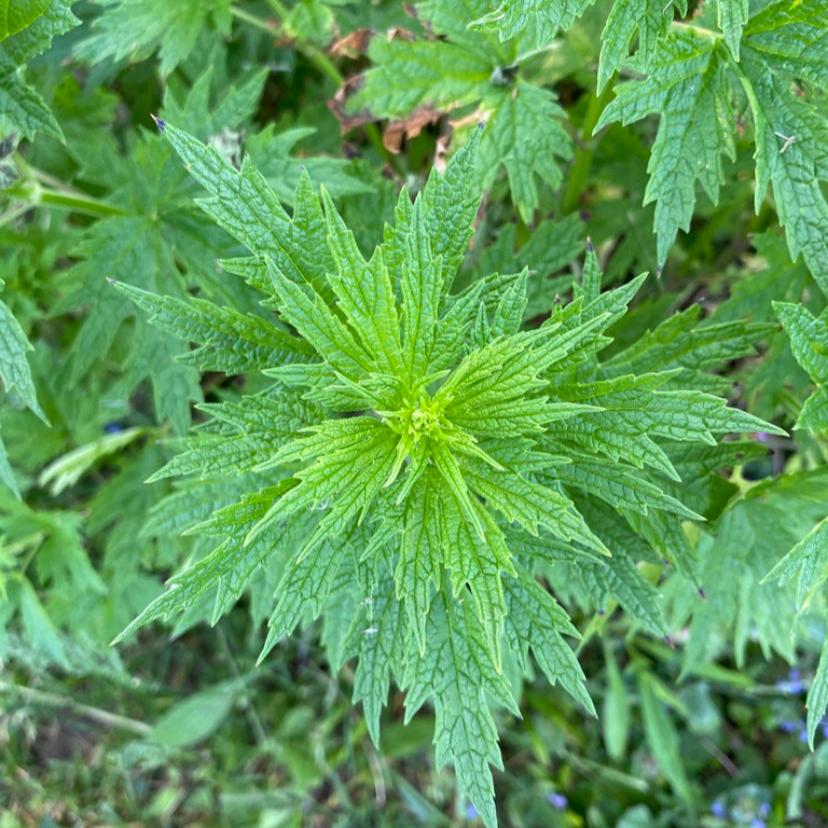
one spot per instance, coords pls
(685, 139)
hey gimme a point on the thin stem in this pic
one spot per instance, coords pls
(310, 50)
(79, 203)
(252, 20)
(15, 211)
(103, 717)
(50, 180)
(30, 190)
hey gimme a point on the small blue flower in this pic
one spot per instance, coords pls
(825, 730)
(471, 812)
(793, 686)
(113, 428)
(764, 809)
(803, 735)
(787, 726)
(557, 801)
(718, 809)
(758, 823)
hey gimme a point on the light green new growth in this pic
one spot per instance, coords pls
(422, 457)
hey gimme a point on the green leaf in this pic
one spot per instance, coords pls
(686, 88)
(809, 558)
(65, 471)
(14, 367)
(809, 342)
(421, 552)
(27, 28)
(364, 293)
(135, 28)
(197, 717)
(536, 621)
(271, 154)
(615, 716)
(382, 641)
(733, 15)
(756, 532)
(662, 736)
(16, 16)
(626, 20)
(245, 205)
(230, 341)
(21, 107)
(457, 676)
(39, 627)
(786, 130)
(36, 38)
(538, 20)
(302, 592)
(525, 132)
(421, 432)
(6, 471)
(817, 701)
(224, 569)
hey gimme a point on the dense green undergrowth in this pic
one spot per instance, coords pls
(413, 414)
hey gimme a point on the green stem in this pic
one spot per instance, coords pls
(310, 50)
(252, 20)
(579, 172)
(31, 191)
(15, 211)
(79, 203)
(104, 717)
(323, 63)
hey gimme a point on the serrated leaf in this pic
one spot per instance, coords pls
(732, 17)
(626, 20)
(230, 341)
(136, 28)
(21, 107)
(790, 133)
(817, 700)
(381, 643)
(16, 16)
(809, 342)
(536, 621)
(14, 367)
(809, 558)
(538, 20)
(524, 133)
(686, 87)
(457, 676)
